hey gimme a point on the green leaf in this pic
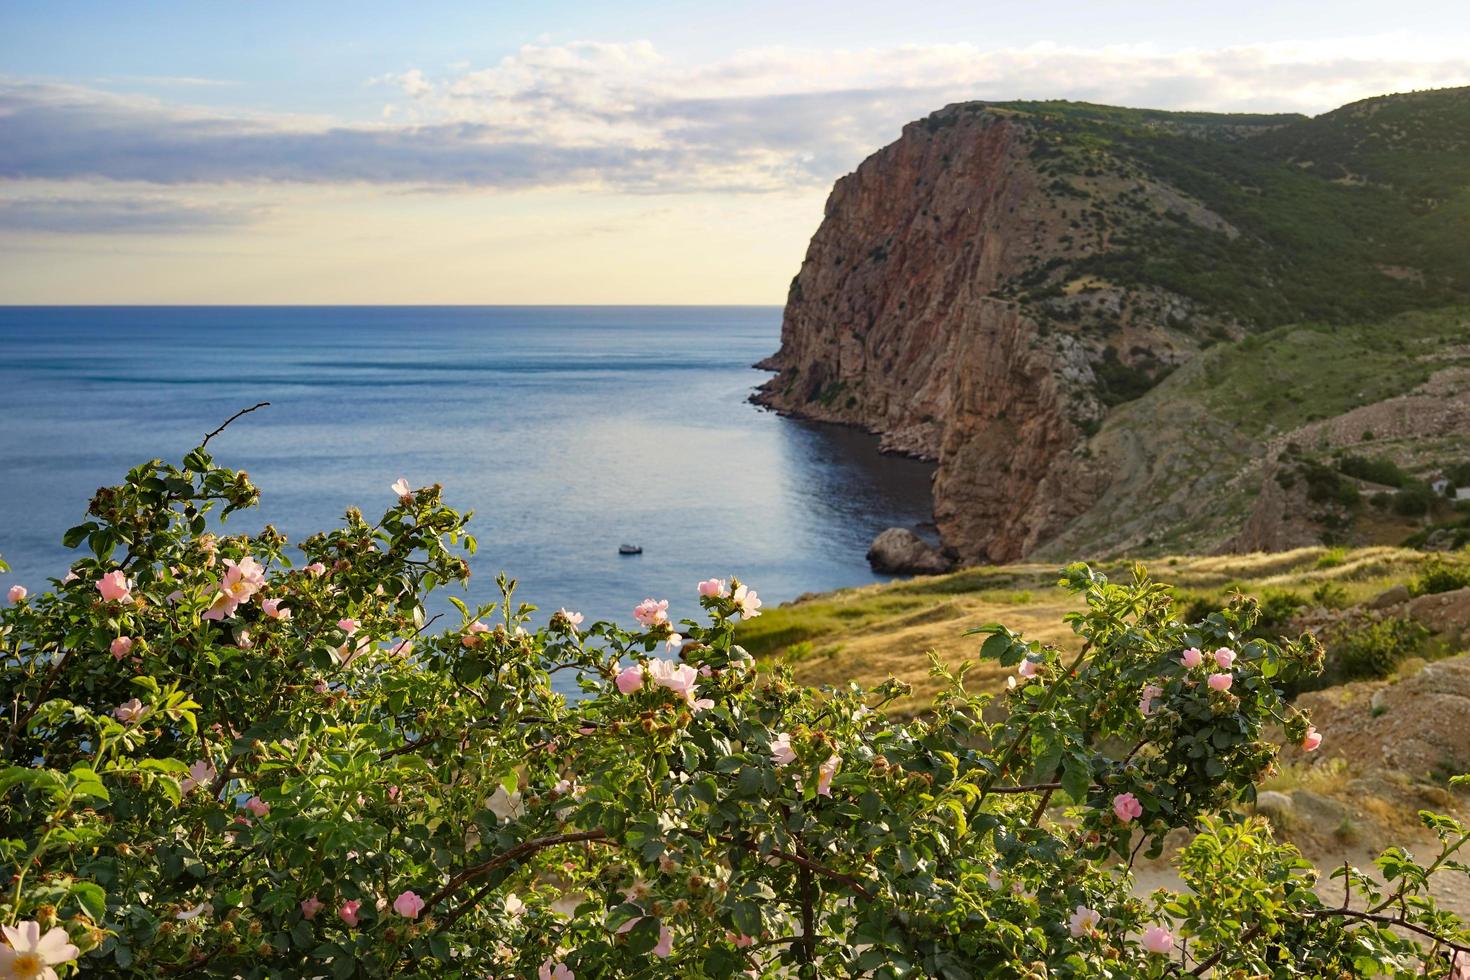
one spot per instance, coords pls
(1076, 780)
(76, 535)
(91, 898)
(996, 646)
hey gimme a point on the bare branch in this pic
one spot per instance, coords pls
(243, 411)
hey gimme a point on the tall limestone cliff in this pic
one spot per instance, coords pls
(990, 289)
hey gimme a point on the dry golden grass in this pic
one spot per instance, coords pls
(868, 634)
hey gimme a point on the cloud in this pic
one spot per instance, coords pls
(625, 117)
(111, 216)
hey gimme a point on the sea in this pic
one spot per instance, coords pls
(569, 431)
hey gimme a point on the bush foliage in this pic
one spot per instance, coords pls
(219, 762)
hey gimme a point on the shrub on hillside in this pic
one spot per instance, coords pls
(1375, 470)
(1414, 500)
(1374, 649)
(218, 762)
(1325, 485)
(1440, 575)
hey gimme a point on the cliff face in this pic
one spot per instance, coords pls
(910, 241)
(990, 288)
(904, 320)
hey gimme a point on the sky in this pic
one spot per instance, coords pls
(566, 152)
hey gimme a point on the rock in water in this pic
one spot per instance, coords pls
(899, 550)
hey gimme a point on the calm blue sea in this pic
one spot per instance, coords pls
(568, 430)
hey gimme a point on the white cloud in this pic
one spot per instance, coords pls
(628, 118)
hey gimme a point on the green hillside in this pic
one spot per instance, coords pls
(1352, 215)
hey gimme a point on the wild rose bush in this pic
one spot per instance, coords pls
(224, 761)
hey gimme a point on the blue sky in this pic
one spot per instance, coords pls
(564, 151)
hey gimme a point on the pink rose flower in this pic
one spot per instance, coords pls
(630, 679)
(1146, 702)
(349, 651)
(121, 647)
(747, 603)
(310, 908)
(348, 625)
(1127, 807)
(652, 612)
(316, 569)
(257, 806)
(408, 905)
(782, 754)
(1225, 657)
(551, 970)
(129, 711)
(241, 581)
(674, 642)
(1158, 940)
(115, 587)
(573, 618)
(1192, 657)
(201, 773)
(475, 628)
(17, 594)
(273, 609)
(825, 773)
(1220, 682)
(712, 587)
(348, 912)
(665, 945)
(1027, 669)
(682, 679)
(1083, 921)
(402, 490)
(1312, 739)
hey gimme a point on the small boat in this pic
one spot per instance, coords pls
(629, 549)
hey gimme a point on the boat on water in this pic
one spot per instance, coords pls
(630, 549)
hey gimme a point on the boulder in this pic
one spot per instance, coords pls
(1277, 807)
(900, 551)
(1393, 597)
(1443, 612)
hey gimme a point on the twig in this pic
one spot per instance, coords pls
(1219, 954)
(36, 701)
(521, 850)
(1027, 788)
(1015, 747)
(1387, 920)
(808, 917)
(243, 411)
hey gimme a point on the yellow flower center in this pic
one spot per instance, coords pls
(27, 965)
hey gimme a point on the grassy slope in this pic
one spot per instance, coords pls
(875, 632)
(1190, 448)
(1324, 206)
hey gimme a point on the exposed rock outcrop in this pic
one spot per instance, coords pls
(1414, 726)
(900, 551)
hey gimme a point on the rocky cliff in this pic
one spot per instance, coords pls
(989, 289)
